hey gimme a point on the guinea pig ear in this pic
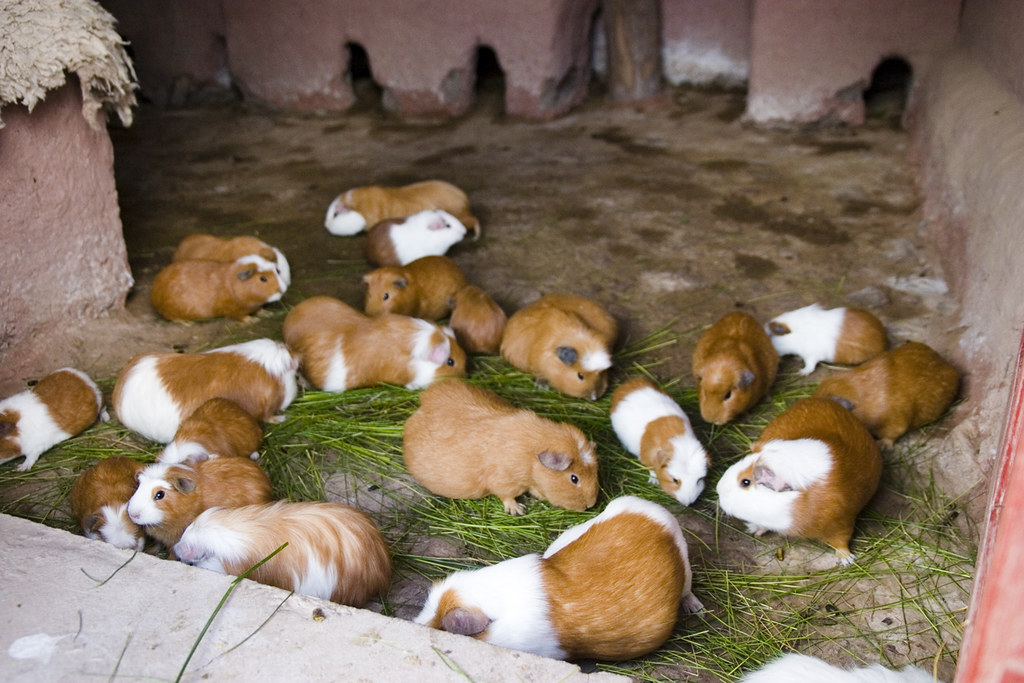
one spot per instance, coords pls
(844, 402)
(401, 283)
(439, 352)
(555, 461)
(662, 456)
(246, 274)
(6, 428)
(466, 621)
(91, 523)
(778, 329)
(567, 354)
(184, 484)
(746, 379)
(765, 476)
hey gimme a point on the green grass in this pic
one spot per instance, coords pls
(763, 596)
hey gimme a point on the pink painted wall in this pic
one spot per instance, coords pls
(706, 41)
(991, 30)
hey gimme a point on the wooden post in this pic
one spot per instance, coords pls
(633, 34)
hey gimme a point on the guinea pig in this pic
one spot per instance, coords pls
(734, 364)
(334, 551)
(400, 241)
(654, 428)
(156, 391)
(196, 290)
(99, 501)
(425, 288)
(477, 320)
(217, 427)
(897, 390)
(798, 668)
(563, 340)
(340, 348)
(169, 497)
(631, 560)
(466, 442)
(228, 249)
(352, 211)
(839, 335)
(810, 473)
(59, 406)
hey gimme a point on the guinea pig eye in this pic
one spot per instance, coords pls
(387, 295)
(675, 481)
(450, 362)
(727, 396)
(745, 483)
(263, 278)
(580, 375)
(158, 495)
(574, 479)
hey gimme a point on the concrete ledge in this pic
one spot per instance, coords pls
(58, 624)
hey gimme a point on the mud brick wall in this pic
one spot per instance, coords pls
(706, 42)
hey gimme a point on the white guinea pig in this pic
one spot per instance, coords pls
(99, 501)
(840, 335)
(228, 249)
(399, 241)
(59, 406)
(352, 211)
(654, 428)
(569, 604)
(810, 473)
(334, 551)
(797, 668)
(196, 290)
(156, 391)
(217, 427)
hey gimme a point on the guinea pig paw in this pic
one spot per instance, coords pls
(756, 529)
(276, 419)
(25, 466)
(513, 507)
(652, 478)
(846, 558)
(690, 604)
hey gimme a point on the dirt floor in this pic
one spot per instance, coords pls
(671, 214)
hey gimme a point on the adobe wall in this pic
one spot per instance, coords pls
(706, 42)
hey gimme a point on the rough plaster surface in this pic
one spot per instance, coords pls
(990, 29)
(706, 41)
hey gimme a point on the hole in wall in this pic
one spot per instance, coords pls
(886, 96)
(489, 83)
(360, 77)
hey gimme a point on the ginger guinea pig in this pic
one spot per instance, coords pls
(654, 428)
(466, 442)
(898, 390)
(810, 473)
(563, 340)
(798, 668)
(477, 320)
(227, 249)
(425, 288)
(156, 391)
(840, 335)
(59, 406)
(170, 497)
(734, 364)
(217, 427)
(340, 348)
(572, 603)
(99, 501)
(197, 290)
(353, 211)
(334, 551)
(400, 241)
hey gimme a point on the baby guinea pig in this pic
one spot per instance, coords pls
(630, 560)
(170, 497)
(839, 335)
(477, 320)
(334, 551)
(466, 442)
(563, 340)
(352, 211)
(900, 389)
(59, 406)
(810, 473)
(99, 501)
(340, 348)
(400, 241)
(197, 290)
(217, 427)
(734, 364)
(228, 249)
(156, 391)
(654, 428)
(798, 668)
(425, 288)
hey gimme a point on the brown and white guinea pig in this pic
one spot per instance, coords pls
(466, 442)
(477, 320)
(898, 390)
(169, 497)
(197, 290)
(563, 340)
(99, 501)
(654, 428)
(839, 335)
(334, 551)
(353, 211)
(734, 364)
(424, 288)
(156, 391)
(340, 348)
(798, 668)
(217, 427)
(227, 249)
(631, 560)
(400, 241)
(59, 406)
(810, 473)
